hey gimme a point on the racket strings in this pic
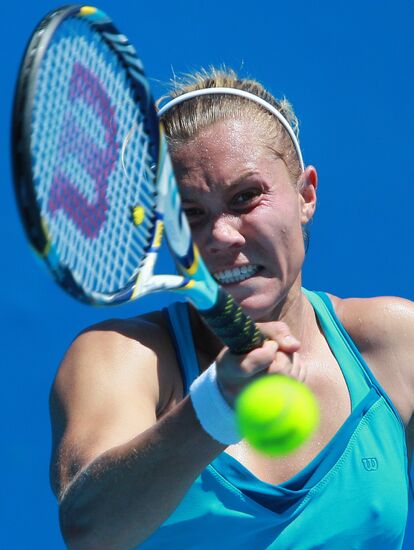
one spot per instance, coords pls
(83, 107)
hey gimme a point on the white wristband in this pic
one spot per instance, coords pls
(213, 412)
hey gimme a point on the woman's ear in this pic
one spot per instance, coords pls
(307, 185)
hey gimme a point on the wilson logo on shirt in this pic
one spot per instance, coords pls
(370, 463)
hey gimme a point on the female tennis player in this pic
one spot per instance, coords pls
(145, 451)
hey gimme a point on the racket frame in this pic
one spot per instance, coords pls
(218, 308)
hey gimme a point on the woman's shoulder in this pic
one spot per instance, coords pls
(376, 322)
(143, 336)
(137, 351)
(382, 328)
(148, 330)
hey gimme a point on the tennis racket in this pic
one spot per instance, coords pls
(94, 182)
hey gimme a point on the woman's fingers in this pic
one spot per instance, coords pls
(278, 355)
(280, 333)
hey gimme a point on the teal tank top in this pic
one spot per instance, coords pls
(353, 495)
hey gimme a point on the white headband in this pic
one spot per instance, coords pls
(247, 95)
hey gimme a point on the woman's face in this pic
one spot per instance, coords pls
(245, 213)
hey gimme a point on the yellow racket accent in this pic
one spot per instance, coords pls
(159, 230)
(45, 252)
(137, 286)
(87, 10)
(190, 284)
(194, 266)
(138, 214)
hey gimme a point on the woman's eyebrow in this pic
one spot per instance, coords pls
(243, 176)
(193, 195)
(232, 183)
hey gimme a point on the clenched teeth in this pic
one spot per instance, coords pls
(236, 274)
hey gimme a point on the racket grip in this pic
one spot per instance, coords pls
(227, 319)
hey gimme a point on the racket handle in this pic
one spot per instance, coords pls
(227, 319)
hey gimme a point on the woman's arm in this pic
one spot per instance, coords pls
(117, 471)
(127, 492)
(127, 446)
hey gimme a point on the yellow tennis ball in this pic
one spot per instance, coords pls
(276, 414)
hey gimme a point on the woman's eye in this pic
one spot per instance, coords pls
(247, 198)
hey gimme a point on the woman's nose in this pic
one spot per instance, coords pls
(225, 234)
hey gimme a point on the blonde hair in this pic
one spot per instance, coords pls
(183, 121)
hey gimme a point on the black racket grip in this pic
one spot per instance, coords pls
(227, 319)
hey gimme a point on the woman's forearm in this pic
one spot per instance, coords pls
(124, 495)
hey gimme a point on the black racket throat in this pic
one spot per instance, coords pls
(227, 319)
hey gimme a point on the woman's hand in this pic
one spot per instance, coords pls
(278, 355)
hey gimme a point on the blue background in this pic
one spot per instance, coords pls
(347, 68)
